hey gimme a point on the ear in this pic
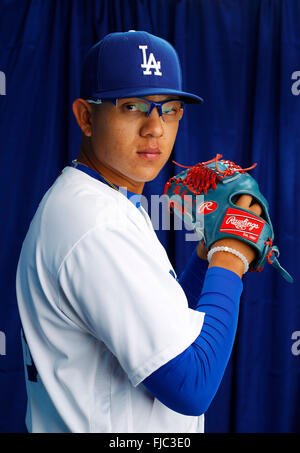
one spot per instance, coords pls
(83, 111)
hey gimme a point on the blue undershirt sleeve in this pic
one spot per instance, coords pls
(188, 383)
(192, 278)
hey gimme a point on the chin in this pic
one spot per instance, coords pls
(149, 174)
(147, 178)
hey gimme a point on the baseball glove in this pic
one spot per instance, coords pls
(204, 195)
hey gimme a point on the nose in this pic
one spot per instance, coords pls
(152, 124)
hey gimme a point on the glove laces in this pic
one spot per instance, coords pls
(200, 178)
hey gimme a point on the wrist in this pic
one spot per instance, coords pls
(227, 261)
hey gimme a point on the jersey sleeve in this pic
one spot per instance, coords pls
(188, 383)
(117, 283)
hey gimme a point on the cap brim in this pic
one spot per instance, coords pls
(188, 98)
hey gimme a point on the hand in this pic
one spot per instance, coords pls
(202, 251)
(228, 260)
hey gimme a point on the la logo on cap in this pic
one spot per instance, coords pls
(149, 64)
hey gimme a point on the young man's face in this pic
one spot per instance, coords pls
(130, 148)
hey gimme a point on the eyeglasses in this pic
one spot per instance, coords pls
(170, 110)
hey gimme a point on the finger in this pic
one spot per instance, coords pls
(244, 201)
(256, 209)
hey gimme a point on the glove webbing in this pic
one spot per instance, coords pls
(200, 178)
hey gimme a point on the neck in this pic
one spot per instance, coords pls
(119, 180)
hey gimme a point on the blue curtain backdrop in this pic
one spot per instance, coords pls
(243, 57)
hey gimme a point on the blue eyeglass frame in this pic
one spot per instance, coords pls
(152, 103)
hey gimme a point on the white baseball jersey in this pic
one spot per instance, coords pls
(100, 311)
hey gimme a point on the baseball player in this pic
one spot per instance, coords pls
(113, 340)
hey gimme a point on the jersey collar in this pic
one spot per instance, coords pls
(133, 197)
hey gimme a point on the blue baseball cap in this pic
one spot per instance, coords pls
(130, 64)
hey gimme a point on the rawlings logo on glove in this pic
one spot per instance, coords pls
(238, 224)
(221, 182)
